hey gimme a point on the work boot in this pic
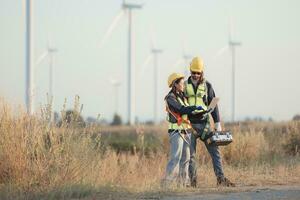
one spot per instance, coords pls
(194, 182)
(166, 184)
(186, 184)
(223, 181)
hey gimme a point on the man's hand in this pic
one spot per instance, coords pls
(218, 126)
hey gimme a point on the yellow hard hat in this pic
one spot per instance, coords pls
(173, 77)
(197, 65)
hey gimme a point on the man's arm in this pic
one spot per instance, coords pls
(210, 95)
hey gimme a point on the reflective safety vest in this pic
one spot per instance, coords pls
(182, 120)
(196, 99)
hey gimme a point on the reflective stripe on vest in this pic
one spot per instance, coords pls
(196, 99)
(183, 125)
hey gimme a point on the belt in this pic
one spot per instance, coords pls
(180, 131)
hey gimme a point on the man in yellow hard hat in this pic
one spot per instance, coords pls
(200, 93)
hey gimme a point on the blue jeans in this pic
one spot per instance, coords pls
(178, 165)
(211, 148)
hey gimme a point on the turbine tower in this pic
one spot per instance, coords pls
(116, 83)
(155, 53)
(232, 45)
(129, 7)
(186, 58)
(29, 57)
(51, 52)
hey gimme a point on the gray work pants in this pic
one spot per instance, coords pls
(178, 165)
(211, 148)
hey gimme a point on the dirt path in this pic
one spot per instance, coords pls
(272, 192)
(215, 193)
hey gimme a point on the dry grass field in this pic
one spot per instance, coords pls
(39, 160)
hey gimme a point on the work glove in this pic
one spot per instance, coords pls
(199, 108)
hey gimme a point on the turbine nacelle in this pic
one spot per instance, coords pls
(156, 50)
(131, 6)
(234, 43)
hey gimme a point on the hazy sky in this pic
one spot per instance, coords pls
(268, 65)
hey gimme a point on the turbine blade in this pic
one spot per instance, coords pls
(41, 58)
(178, 62)
(111, 27)
(145, 64)
(220, 52)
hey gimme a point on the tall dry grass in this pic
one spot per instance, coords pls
(39, 160)
(37, 157)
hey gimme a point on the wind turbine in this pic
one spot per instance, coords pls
(49, 52)
(153, 55)
(128, 8)
(184, 60)
(155, 52)
(29, 63)
(232, 44)
(131, 69)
